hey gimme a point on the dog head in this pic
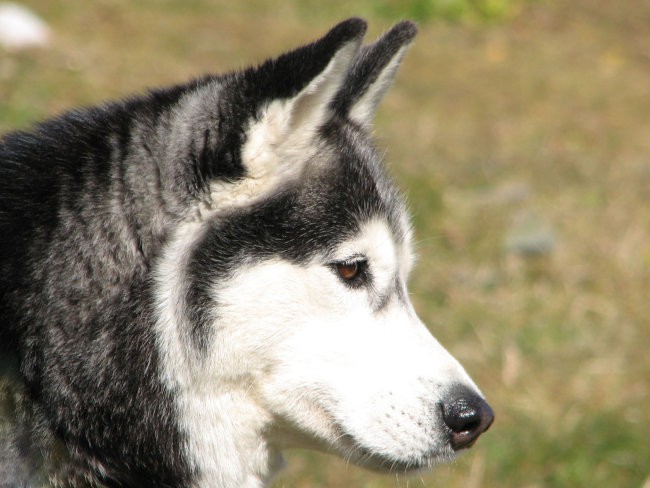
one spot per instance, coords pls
(284, 293)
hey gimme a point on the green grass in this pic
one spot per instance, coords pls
(529, 121)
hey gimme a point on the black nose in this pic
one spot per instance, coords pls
(467, 415)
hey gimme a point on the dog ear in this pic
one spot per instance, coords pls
(291, 98)
(302, 84)
(372, 73)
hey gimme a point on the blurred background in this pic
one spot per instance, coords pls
(520, 131)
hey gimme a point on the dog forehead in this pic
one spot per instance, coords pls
(349, 182)
(376, 242)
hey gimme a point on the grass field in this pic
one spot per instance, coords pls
(521, 134)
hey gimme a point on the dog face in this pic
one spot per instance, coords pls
(329, 341)
(284, 300)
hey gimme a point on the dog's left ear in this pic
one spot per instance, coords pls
(372, 73)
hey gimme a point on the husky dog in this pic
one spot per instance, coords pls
(196, 279)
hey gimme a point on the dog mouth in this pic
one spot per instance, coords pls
(398, 452)
(398, 456)
(387, 464)
(354, 451)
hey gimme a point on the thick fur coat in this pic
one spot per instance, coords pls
(195, 279)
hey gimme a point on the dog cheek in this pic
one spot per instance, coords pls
(302, 384)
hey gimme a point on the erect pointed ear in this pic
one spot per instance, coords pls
(302, 84)
(372, 73)
(291, 98)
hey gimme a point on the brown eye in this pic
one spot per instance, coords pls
(348, 271)
(353, 272)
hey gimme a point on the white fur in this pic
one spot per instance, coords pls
(311, 364)
(328, 364)
(364, 108)
(226, 448)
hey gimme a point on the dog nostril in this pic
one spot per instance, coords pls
(467, 416)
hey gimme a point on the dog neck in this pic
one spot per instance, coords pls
(226, 442)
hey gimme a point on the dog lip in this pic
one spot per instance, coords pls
(365, 457)
(384, 464)
(463, 440)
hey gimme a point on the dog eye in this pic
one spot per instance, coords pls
(353, 272)
(348, 271)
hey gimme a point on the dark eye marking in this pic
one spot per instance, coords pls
(353, 272)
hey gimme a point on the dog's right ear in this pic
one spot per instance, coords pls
(276, 109)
